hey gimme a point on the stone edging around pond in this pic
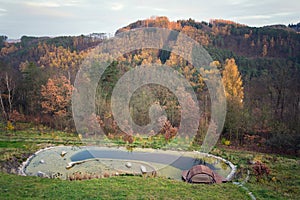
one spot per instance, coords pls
(232, 166)
(21, 170)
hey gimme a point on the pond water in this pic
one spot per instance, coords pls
(65, 162)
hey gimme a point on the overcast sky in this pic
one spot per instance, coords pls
(75, 17)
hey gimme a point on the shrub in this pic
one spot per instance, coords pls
(260, 169)
(9, 126)
(226, 142)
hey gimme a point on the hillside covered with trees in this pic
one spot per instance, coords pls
(260, 69)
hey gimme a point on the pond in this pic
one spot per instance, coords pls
(68, 162)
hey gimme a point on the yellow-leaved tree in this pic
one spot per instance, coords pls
(234, 91)
(233, 83)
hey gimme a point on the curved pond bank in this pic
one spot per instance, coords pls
(65, 161)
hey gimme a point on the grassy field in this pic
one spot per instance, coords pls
(129, 187)
(283, 182)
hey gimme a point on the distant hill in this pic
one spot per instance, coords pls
(278, 41)
(252, 47)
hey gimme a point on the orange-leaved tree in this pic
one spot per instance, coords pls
(56, 99)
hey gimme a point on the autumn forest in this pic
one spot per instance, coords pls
(260, 70)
